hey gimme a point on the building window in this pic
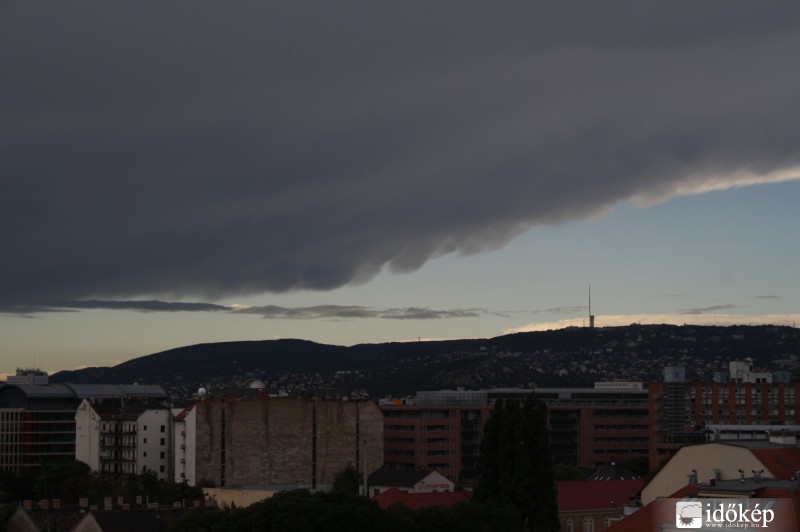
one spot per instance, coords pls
(568, 525)
(161, 469)
(162, 441)
(144, 454)
(163, 428)
(145, 427)
(588, 525)
(162, 454)
(145, 440)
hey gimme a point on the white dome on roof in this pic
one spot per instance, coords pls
(257, 384)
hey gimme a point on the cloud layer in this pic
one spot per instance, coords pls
(623, 320)
(208, 150)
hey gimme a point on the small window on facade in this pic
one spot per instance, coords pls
(145, 427)
(161, 469)
(163, 441)
(162, 454)
(145, 440)
(163, 428)
(144, 454)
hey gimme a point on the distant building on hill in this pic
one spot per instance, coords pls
(28, 376)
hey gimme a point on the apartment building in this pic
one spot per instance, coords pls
(441, 431)
(684, 411)
(184, 449)
(589, 427)
(123, 437)
(37, 419)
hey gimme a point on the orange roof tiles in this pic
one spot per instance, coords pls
(415, 501)
(781, 462)
(576, 495)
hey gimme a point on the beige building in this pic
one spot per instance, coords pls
(285, 441)
(717, 461)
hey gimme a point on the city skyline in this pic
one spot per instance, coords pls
(416, 171)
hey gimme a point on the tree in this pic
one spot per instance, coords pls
(346, 481)
(56, 476)
(568, 472)
(516, 465)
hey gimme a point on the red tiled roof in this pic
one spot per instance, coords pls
(576, 495)
(662, 511)
(652, 516)
(415, 501)
(782, 462)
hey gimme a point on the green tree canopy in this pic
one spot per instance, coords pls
(516, 464)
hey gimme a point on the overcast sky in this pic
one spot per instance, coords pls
(349, 172)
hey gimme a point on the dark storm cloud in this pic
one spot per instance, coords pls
(143, 306)
(354, 311)
(208, 149)
(268, 311)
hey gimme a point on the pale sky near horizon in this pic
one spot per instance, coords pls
(293, 171)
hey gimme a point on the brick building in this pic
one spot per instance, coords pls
(589, 427)
(285, 441)
(682, 412)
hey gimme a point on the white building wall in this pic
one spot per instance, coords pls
(435, 482)
(178, 446)
(190, 440)
(87, 436)
(183, 448)
(153, 442)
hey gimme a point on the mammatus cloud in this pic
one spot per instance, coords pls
(149, 151)
(668, 319)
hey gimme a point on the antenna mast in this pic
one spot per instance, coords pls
(591, 316)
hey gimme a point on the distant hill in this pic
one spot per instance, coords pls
(565, 357)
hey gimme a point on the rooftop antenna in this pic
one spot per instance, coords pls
(591, 316)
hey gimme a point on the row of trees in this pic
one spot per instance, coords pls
(303, 511)
(71, 479)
